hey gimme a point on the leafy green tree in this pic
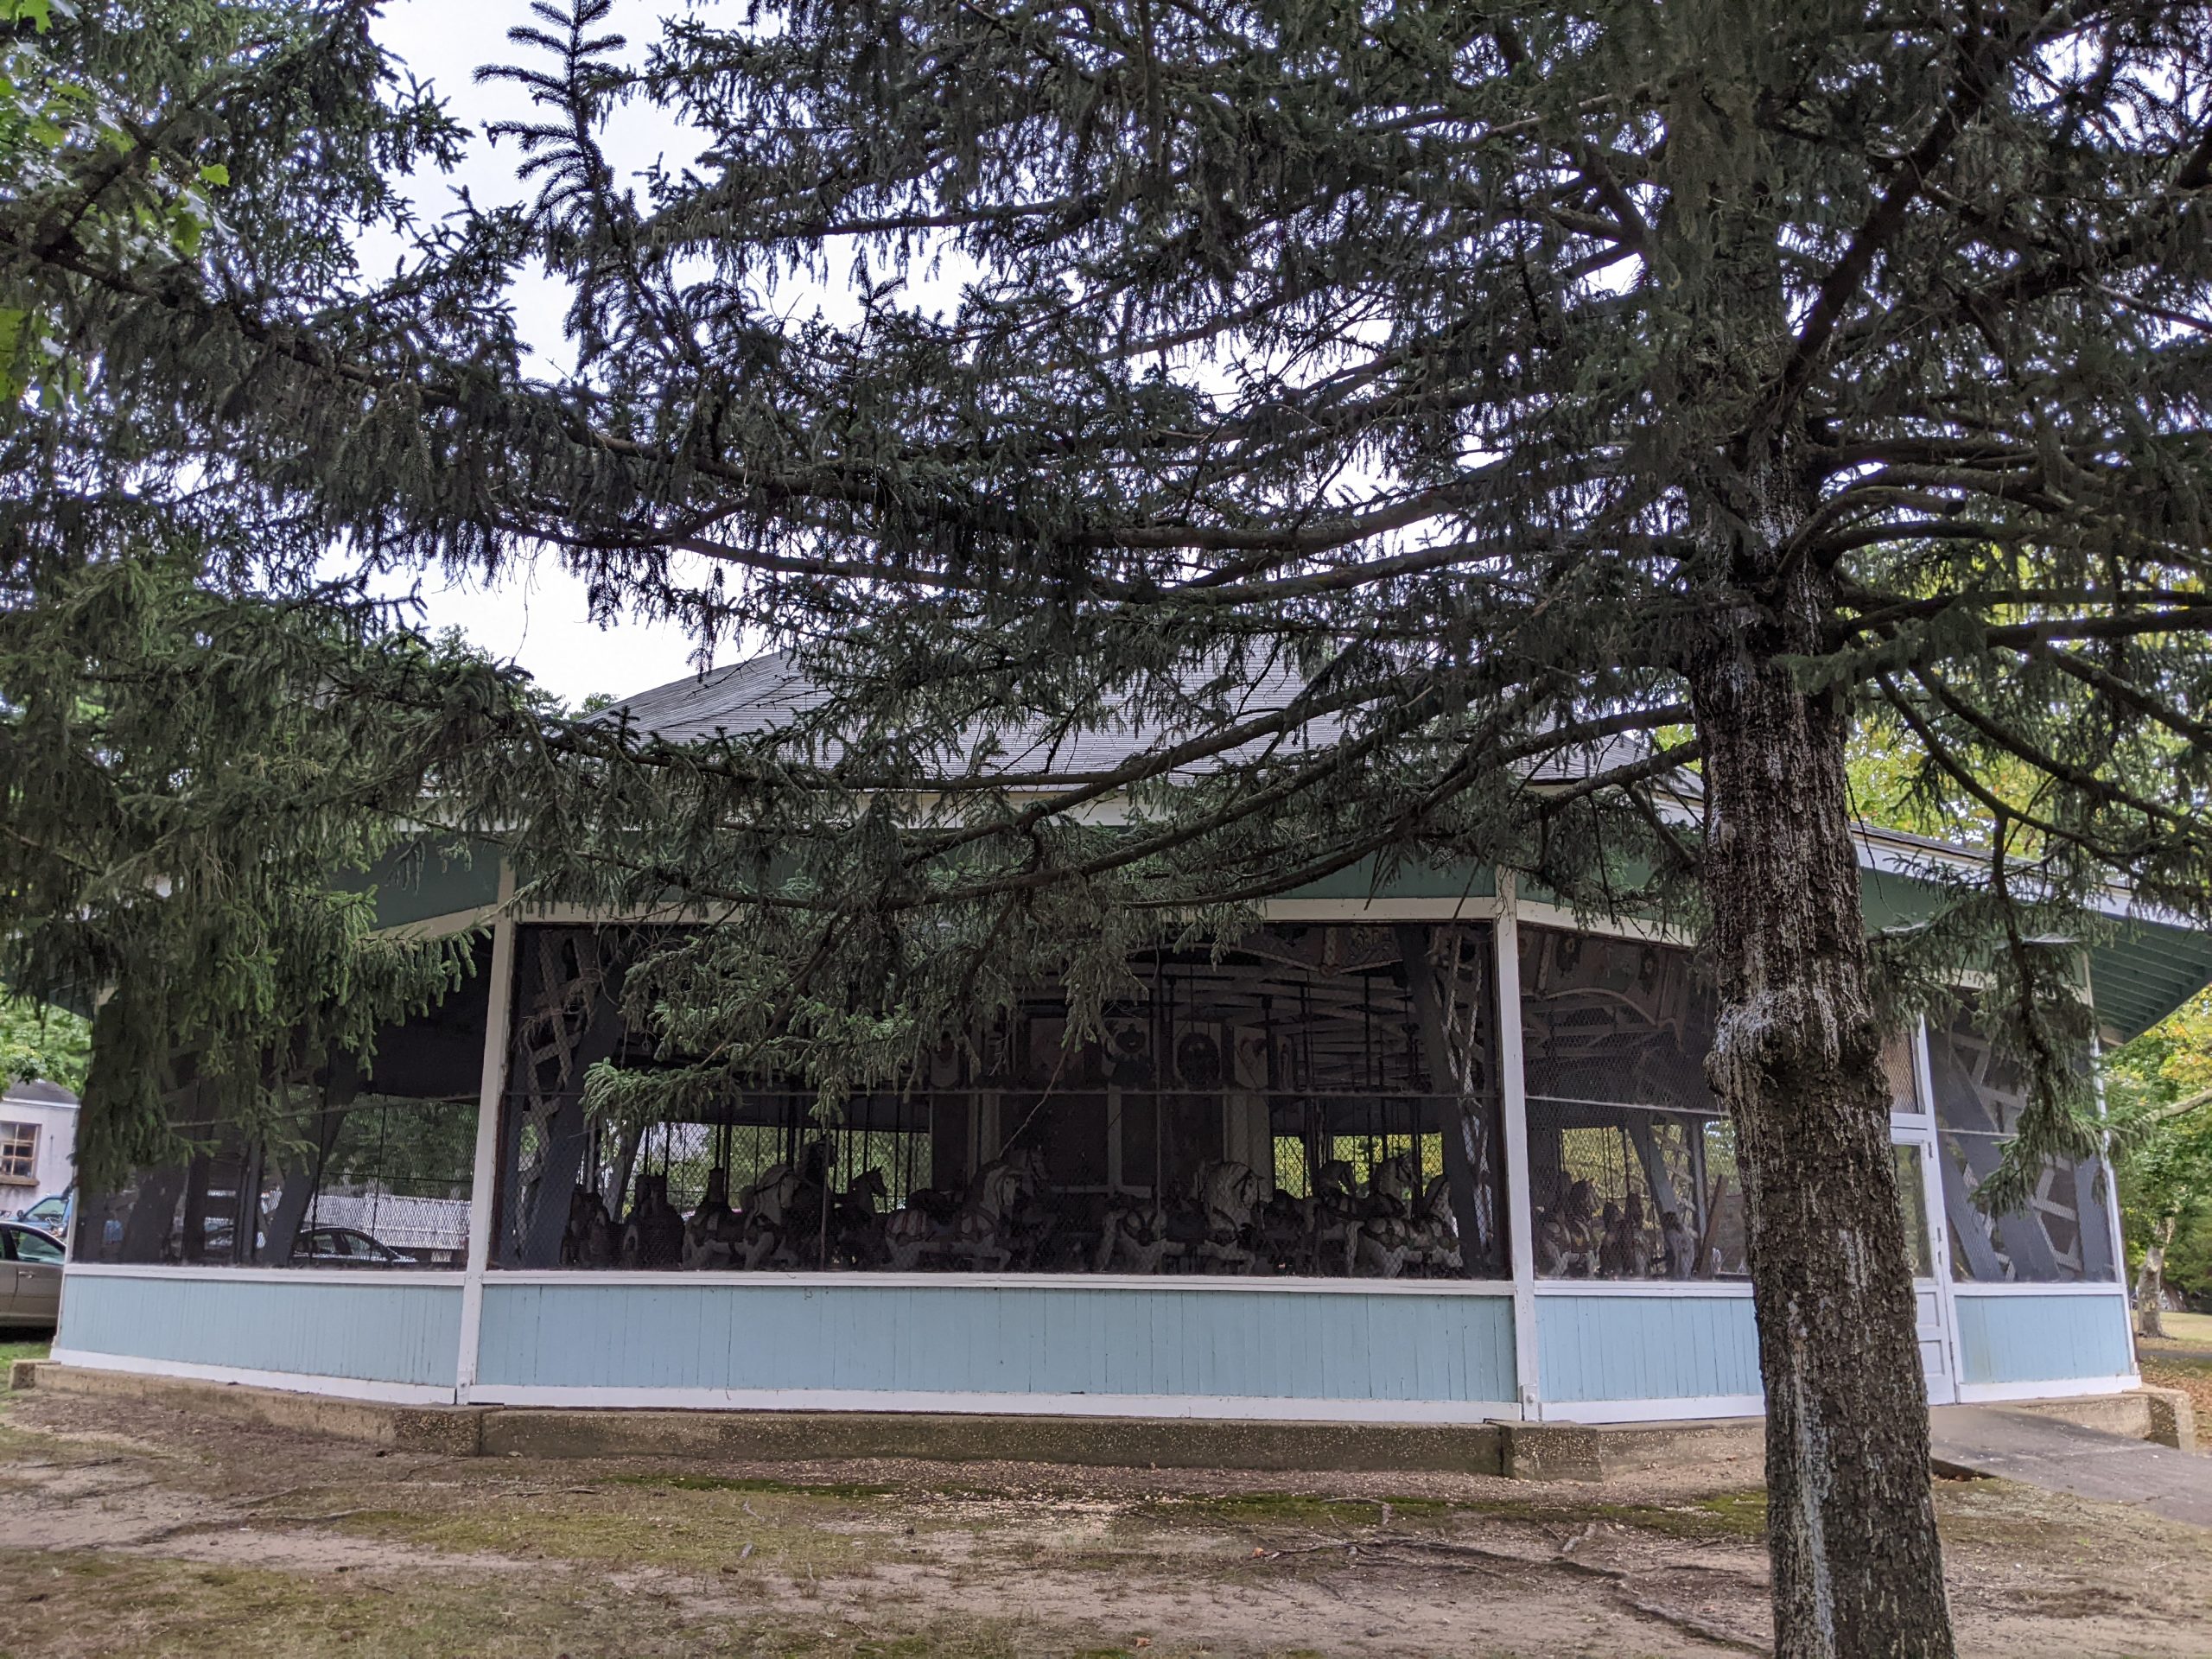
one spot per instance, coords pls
(1492, 433)
(40, 1042)
(2161, 1099)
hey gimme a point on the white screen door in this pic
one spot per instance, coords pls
(1914, 1152)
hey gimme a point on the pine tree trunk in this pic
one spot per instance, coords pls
(1858, 1569)
(2151, 1283)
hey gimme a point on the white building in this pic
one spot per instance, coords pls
(38, 1143)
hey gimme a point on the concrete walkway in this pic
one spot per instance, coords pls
(2062, 1457)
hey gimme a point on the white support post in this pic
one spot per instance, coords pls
(2108, 1174)
(490, 1099)
(1520, 1230)
(1939, 1213)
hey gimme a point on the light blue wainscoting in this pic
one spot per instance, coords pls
(1629, 1348)
(866, 1343)
(379, 1329)
(2016, 1336)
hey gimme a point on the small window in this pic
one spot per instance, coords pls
(19, 1152)
(32, 1247)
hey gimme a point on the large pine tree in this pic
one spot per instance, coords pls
(1575, 424)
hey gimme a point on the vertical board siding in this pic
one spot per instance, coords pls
(2014, 1337)
(380, 1329)
(999, 1339)
(1646, 1348)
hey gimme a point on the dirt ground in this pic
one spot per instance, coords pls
(137, 1530)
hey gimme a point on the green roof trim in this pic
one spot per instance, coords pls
(2139, 971)
(416, 883)
(1408, 879)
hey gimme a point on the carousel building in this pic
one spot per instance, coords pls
(1426, 1149)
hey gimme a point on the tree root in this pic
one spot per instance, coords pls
(1412, 1549)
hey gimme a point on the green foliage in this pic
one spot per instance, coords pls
(425, 1148)
(197, 738)
(2159, 1089)
(186, 772)
(38, 1041)
(1372, 419)
(1456, 388)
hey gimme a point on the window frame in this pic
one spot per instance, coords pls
(15, 1134)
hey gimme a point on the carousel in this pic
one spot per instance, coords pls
(1424, 1150)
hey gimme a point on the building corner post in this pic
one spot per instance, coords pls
(1521, 1232)
(2110, 1176)
(491, 1095)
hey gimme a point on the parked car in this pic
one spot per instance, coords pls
(50, 1214)
(30, 1291)
(345, 1247)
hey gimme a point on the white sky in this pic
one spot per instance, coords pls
(537, 616)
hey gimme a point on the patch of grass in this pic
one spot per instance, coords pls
(730, 1484)
(12, 1351)
(107, 1606)
(1729, 1515)
(2187, 1333)
(1725, 1515)
(1744, 1511)
(732, 1527)
(29, 1446)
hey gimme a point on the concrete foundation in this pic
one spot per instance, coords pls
(1601, 1451)
(453, 1431)
(1524, 1450)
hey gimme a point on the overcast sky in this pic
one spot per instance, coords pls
(537, 616)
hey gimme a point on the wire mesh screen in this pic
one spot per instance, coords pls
(1632, 1164)
(351, 1180)
(2065, 1231)
(1311, 1100)
(344, 1164)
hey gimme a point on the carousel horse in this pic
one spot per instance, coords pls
(761, 1207)
(1226, 1194)
(1566, 1240)
(857, 1220)
(1386, 1237)
(589, 1239)
(653, 1235)
(920, 1227)
(1436, 1232)
(1135, 1234)
(982, 1232)
(1334, 1212)
(715, 1232)
(784, 1209)
(1284, 1231)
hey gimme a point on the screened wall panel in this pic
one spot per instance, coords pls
(1632, 1163)
(2065, 1231)
(363, 1162)
(1310, 1101)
